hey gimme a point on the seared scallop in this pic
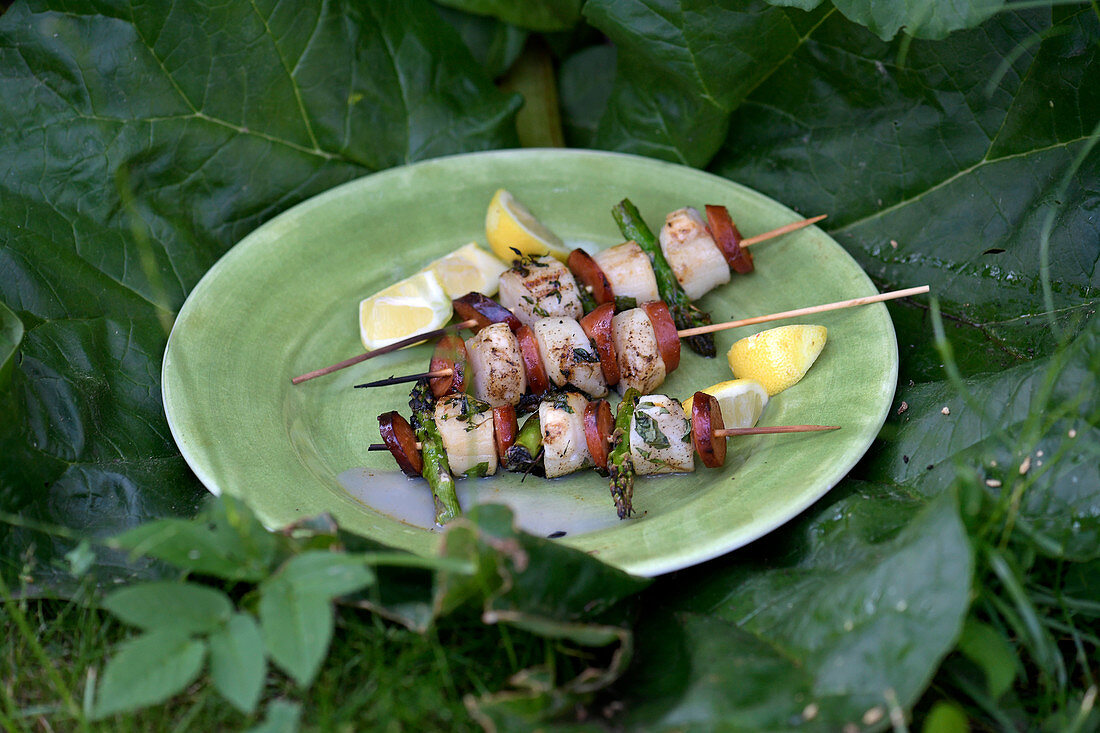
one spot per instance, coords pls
(640, 362)
(660, 437)
(496, 365)
(695, 259)
(466, 426)
(564, 448)
(538, 288)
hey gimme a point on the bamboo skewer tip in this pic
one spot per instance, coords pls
(780, 231)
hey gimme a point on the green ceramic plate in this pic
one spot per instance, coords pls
(284, 301)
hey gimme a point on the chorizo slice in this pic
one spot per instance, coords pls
(478, 307)
(450, 353)
(597, 326)
(706, 417)
(399, 437)
(506, 427)
(590, 276)
(598, 426)
(664, 328)
(728, 239)
(537, 380)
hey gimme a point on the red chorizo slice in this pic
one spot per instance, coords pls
(506, 428)
(478, 307)
(597, 326)
(537, 381)
(706, 417)
(450, 353)
(728, 239)
(668, 341)
(598, 425)
(590, 275)
(399, 437)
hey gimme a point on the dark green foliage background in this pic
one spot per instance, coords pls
(139, 142)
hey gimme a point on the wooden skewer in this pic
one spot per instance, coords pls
(724, 433)
(713, 327)
(803, 311)
(731, 432)
(383, 350)
(785, 229)
(409, 378)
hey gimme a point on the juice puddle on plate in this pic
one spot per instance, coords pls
(539, 513)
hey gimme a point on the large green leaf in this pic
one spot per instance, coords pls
(944, 171)
(139, 143)
(538, 15)
(11, 335)
(494, 44)
(920, 19)
(849, 611)
(940, 169)
(1032, 431)
(683, 66)
(237, 662)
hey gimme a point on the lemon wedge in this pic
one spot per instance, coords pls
(509, 225)
(741, 400)
(414, 305)
(777, 358)
(468, 269)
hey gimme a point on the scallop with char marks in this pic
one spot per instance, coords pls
(561, 420)
(640, 362)
(540, 287)
(496, 365)
(568, 356)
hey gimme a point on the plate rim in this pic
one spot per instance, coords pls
(657, 565)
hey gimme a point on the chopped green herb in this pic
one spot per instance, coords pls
(585, 356)
(625, 302)
(647, 429)
(479, 471)
(560, 400)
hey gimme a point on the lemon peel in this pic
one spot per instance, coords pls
(510, 227)
(779, 357)
(741, 400)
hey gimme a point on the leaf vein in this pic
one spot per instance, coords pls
(290, 74)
